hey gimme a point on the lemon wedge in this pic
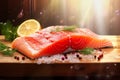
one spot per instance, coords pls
(28, 27)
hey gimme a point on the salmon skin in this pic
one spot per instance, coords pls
(48, 41)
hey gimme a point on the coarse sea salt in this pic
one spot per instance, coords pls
(72, 57)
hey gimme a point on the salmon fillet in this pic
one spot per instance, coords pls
(46, 42)
(42, 44)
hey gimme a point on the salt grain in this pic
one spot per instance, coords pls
(70, 57)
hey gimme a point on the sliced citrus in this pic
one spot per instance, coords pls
(28, 27)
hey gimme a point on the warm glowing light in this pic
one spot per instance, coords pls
(82, 12)
(101, 9)
(85, 11)
(99, 12)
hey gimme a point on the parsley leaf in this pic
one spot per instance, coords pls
(5, 50)
(86, 51)
(65, 28)
(69, 28)
(8, 30)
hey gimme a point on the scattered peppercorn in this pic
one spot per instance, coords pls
(18, 58)
(63, 58)
(99, 57)
(15, 57)
(95, 56)
(23, 58)
(65, 55)
(78, 56)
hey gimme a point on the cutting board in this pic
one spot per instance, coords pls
(16, 58)
(110, 54)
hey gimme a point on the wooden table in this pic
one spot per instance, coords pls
(107, 67)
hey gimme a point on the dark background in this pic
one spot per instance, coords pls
(19, 10)
(10, 10)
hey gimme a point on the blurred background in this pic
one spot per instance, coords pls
(101, 16)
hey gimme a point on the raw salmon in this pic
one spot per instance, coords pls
(42, 44)
(83, 38)
(48, 42)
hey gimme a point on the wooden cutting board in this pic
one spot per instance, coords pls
(12, 59)
(110, 54)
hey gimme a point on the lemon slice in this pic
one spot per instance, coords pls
(28, 27)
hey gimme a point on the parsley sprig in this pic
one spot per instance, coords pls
(86, 51)
(5, 50)
(65, 28)
(8, 30)
(69, 28)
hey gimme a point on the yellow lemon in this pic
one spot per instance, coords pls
(28, 27)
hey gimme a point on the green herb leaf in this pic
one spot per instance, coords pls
(8, 30)
(65, 28)
(5, 50)
(86, 51)
(69, 28)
